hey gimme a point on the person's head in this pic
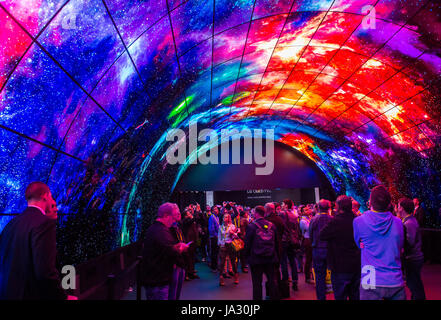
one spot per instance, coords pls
(380, 199)
(168, 214)
(306, 211)
(269, 208)
(38, 194)
(215, 210)
(355, 206)
(53, 212)
(416, 202)
(405, 207)
(343, 204)
(287, 204)
(207, 208)
(324, 206)
(189, 213)
(227, 219)
(277, 207)
(259, 212)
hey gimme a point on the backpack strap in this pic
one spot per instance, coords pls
(268, 223)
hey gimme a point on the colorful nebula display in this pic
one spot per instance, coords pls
(89, 88)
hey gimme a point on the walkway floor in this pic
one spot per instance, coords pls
(207, 288)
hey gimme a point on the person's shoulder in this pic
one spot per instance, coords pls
(155, 227)
(397, 220)
(359, 219)
(33, 217)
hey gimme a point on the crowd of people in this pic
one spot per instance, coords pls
(370, 255)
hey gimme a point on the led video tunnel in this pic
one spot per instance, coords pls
(89, 89)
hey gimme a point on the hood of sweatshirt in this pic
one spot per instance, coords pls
(379, 222)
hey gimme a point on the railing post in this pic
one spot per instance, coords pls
(111, 287)
(138, 279)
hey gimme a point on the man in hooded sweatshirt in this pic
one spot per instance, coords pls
(380, 237)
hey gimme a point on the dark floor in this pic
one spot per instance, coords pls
(207, 287)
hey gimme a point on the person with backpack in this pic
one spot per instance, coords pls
(319, 247)
(276, 220)
(262, 254)
(290, 242)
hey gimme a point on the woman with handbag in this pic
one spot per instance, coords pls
(227, 233)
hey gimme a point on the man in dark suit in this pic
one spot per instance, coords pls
(419, 213)
(28, 250)
(343, 254)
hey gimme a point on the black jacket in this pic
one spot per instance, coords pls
(28, 258)
(412, 239)
(249, 243)
(178, 236)
(420, 216)
(343, 253)
(190, 230)
(159, 256)
(280, 226)
(318, 222)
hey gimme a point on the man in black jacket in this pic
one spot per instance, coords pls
(271, 216)
(319, 247)
(190, 230)
(419, 213)
(413, 258)
(28, 250)
(262, 256)
(343, 254)
(161, 253)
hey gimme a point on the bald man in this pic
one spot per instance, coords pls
(161, 252)
(28, 250)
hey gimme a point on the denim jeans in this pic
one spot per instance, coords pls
(308, 258)
(383, 293)
(157, 293)
(413, 279)
(319, 256)
(176, 284)
(346, 286)
(289, 254)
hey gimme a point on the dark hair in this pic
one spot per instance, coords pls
(344, 204)
(288, 203)
(356, 204)
(36, 190)
(260, 210)
(380, 198)
(407, 205)
(324, 205)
